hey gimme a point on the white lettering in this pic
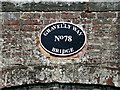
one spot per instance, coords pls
(77, 31)
(57, 38)
(46, 32)
(62, 51)
(74, 28)
(61, 37)
(53, 28)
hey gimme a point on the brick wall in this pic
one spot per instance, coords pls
(21, 62)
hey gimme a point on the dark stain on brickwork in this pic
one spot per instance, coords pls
(43, 6)
(61, 6)
(62, 86)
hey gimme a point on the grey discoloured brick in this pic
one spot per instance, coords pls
(43, 6)
(59, 73)
(61, 6)
(104, 6)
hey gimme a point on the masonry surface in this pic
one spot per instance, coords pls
(21, 62)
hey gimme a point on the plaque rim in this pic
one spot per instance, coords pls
(62, 55)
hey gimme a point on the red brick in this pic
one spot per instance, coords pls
(11, 22)
(8, 54)
(116, 26)
(30, 49)
(1, 27)
(70, 15)
(25, 54)
(13, 41)
(36, 15)
(16, 27)
(76, 21)
(50, 15)
(6, 47)
(14, 54)
(88, 15)
(46, 22)
(11, 27)
(20, 47)
(15, 22)
(96, 28)
(105, 27)
(7, 41)
(7, 35)
(117, 34)
(41, 27)
(119, 15)
(31, 22)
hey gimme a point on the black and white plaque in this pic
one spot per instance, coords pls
(62, 39)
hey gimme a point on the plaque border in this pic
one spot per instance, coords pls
(62, 55)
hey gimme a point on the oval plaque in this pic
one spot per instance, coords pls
(62, 39)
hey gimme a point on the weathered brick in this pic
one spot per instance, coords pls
(7, 54)
(90, 47)
(96, 28)
(50, 15)
(31, 22)
(88, 15)
(76, 21)
(29, 15)
(19, 47)
(106, 15)
(26, 35)
(30, 28)
(13, 41)
(86, 21)
(116, 26)
(102, 21)
(46, 22)
(103, 6)
(7, 35)
(105, 27)
(10, 15)
(70, 15)
(5, 48)
(10, 27)
(118, 14)
(15, 22)
(6, 22)
(12, 22)
(118, 20)
(7, 41)
(14, 54)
